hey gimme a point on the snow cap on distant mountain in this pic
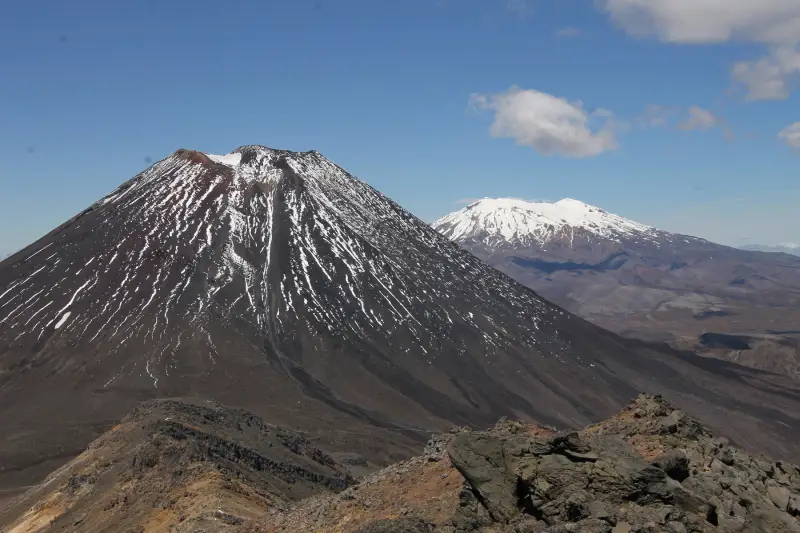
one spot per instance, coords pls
(507, 220)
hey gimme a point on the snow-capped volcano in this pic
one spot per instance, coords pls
(277, 282)
(628, 277)
(497, 222)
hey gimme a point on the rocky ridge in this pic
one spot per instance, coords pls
(176, 467)
(649, 469)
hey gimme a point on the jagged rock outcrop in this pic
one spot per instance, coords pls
(650, 469)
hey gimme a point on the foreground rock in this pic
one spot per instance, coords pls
(177, 467)
(173, 467)
(649, 469)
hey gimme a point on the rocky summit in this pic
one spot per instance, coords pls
(277, 282)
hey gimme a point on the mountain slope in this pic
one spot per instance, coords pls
(277, 282)
(628, 277)
(177, 467)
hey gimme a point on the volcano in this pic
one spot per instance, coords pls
(640, 281)
(277, 282)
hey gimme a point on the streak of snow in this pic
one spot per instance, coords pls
(38, 251)
(63, 319)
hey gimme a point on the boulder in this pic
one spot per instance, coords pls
(779, 496)
(480, 458)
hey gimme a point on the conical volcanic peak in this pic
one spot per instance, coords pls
(278, 282)
(284, 247)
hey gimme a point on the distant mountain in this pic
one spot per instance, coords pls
(628, 277)
(789, 248)
(504, 223)
(277, 282)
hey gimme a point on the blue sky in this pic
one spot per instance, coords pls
(652, 110)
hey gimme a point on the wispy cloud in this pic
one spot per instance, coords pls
(770, 77)
(568, 32)
(548, 124)
(656, 115)
(699, 119)
(790, 135)
(683, 118)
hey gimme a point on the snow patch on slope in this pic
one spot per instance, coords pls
(232, 160)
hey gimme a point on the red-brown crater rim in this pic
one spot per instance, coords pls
(195, 157)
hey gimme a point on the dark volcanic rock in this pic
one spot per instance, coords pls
(481, 459)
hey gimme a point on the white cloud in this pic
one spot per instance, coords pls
(699, 119)
(709, 21)
(791, 135)
(568, 31)
(548, 124)
(774, 23)
(770, 77)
